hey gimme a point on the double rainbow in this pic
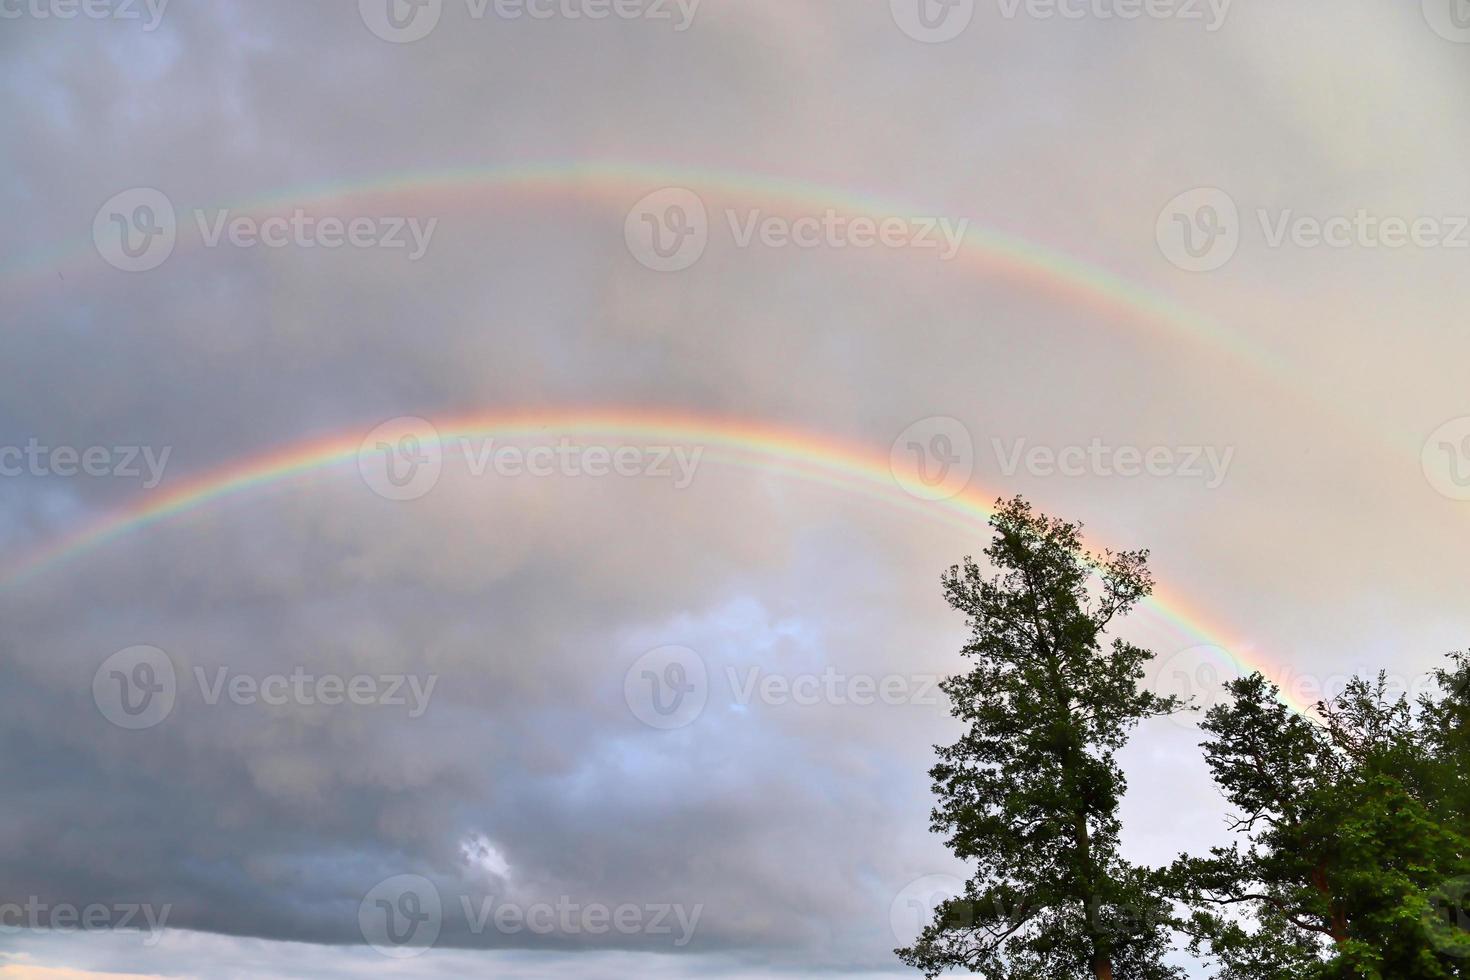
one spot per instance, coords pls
(805, 456)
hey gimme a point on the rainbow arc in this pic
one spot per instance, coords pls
(785, 452)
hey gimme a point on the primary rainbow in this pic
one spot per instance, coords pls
(805, 456)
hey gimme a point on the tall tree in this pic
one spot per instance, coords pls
(1351, 833)
(1445, 719)
(1031, 791)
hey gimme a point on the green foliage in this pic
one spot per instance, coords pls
(1356, 854)
(1354, 858)
(1030, 792)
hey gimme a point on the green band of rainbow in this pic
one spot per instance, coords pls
(619, 184)
(800, 455)
(622, 183)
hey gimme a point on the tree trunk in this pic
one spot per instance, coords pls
(1336, 916)
(1102, 963)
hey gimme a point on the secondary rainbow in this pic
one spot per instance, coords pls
(805, 456)
(620, 184)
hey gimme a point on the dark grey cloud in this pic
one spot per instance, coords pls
(793, 827)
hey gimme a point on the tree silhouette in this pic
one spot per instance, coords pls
(1031, 791)
(1357, 858)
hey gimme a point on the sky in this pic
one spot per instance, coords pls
(481, 472)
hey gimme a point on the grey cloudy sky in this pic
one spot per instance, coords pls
(1236, 233)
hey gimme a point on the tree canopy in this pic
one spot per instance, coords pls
(1353, 822)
